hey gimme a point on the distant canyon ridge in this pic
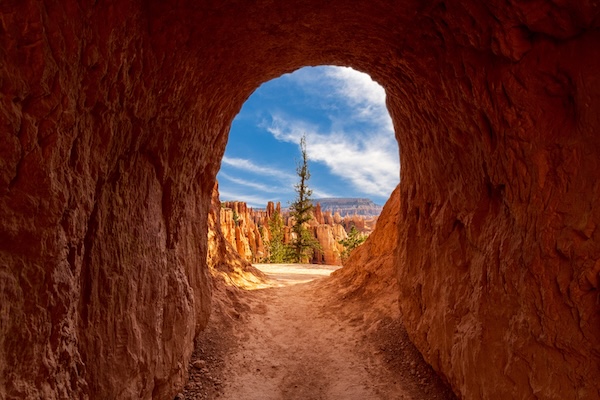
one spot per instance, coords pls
(349, 206)
(247, 229)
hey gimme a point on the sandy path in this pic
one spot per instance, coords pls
(293, 350)
(290, 346)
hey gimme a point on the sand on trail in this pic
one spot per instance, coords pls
(287, 343)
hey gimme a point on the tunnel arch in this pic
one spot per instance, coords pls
(116, 122)
(349, 135)
(351, 147)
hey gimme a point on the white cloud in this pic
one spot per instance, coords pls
(358, 90)
(356, 86)
(320, 194)
(248, 165)
(287, 181)
(363, 94)
(253, 185)
(368, 162)
(260, 201)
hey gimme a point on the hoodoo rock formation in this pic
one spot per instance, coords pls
(241, 226)
(224, 262)
(113, 120)
(247, 230)
(329, 237)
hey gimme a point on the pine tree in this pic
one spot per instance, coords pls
(279, 251)
(303, 242)
(354, 239)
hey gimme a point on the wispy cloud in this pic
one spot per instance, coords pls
(249, 166)
(285, 181)
(359, 148)
(260, 200)
(254, 185)
(362, 94)
(368, 162)
(319, 194)
(356, 86)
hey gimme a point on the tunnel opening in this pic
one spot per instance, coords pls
(352, 160)
(300, 330)
(337, 321)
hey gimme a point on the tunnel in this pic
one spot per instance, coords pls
(115, 118)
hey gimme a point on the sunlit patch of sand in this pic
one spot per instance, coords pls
(292, 274)
(242, 279)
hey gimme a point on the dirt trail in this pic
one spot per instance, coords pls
(288, 344)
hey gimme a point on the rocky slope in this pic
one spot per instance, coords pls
(370, 273)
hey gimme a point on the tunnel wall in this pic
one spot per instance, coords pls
(499, 256)
(103, 234)
(115, 116)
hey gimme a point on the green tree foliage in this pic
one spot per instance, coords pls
(236, 218)
(279, 251)
(354, 239)
(303, 243)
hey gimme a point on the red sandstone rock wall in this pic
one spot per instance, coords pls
(370, 273)
(499, 248)
(114, 116)
(103, 204)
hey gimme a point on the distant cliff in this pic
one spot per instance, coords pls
(349, 206)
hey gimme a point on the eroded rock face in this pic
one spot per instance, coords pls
(370, 273)
(223, 259)
(241, 226)
(247, 230)
(103, 284)
(329, 237)
(114, 118)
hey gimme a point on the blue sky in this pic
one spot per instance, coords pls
(350, 140)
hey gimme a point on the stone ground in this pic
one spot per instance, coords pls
(284, 340)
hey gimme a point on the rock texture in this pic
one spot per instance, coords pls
(247, 229)
(370, 273)
(328, 237)
(114, 116)
(230, 271)
(105, 176)
(241, 226)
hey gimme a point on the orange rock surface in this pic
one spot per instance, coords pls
(329, 237)
(115, 116)
(247, 229)
(241, 227)
(370, 273)
(223, 260)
